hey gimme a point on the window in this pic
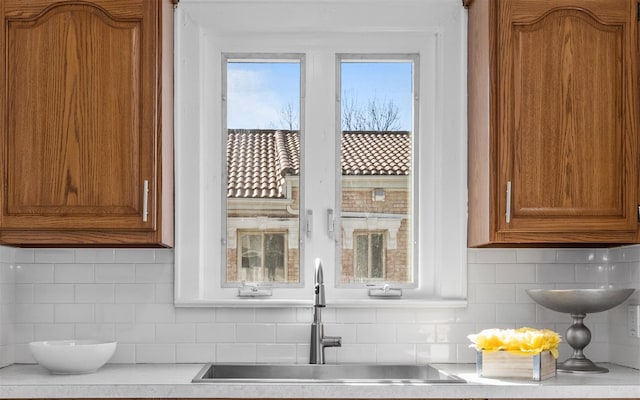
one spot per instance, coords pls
(262, 257)
(269, 179)
(368, 257)
(261, 109)
(378, 94)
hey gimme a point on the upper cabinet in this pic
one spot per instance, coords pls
(86, 133)
(553, 119)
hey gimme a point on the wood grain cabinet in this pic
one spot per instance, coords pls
(86, 122)
(553, 120)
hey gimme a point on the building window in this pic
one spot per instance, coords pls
(262, 257)
(369, 256)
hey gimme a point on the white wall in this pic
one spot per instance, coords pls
(127, 295)
(7, 288)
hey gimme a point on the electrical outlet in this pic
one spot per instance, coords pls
(634, 320)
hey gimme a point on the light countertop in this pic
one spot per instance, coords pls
(174, 381)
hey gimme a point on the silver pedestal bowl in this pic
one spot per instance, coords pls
(579, 303)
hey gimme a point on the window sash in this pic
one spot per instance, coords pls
(206, 31)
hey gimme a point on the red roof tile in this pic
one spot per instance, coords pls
(259, 160)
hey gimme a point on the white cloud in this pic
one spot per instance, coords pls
(251, 102)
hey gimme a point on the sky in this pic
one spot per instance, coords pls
(258, 92)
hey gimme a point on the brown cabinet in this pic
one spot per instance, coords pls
(86, 132)
(553, 119)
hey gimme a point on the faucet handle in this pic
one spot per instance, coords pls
(332, 341)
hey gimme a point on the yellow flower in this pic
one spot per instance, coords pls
(526, 341)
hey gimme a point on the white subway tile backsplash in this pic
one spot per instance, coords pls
(96, 331)
(195, 353)
(175, 333)
(195, 315)
(216, 333)
(276, 353)
(164, 293)
(34, 273)
(416, 333)
(54, 256)
(164, 256)
(515, 273)
(33, 313)
(74, 273)
(135, 256)
(23, 293)
(22, 354)
(481, 273)
(496, 256)
(95, 293)
(231, 352)
(356, 353)
(23, 333)
(581, 256)
(275, 315)
(114, 313)
(520, 314)
(555, 273)
(536, 256)
(235, 315)
(154, 273)
(294, 333)
(376, 333)
(354, 315)
(95, 256)
(592, 273)
(73, 313)
(124, 354)
(155, 353)
(53, 293)
(435, 353)
(256, 333)
(26, 256)
(619, 273)
(476, 313)
(135, 333)
(115, 273)
(348, 332)
(497, 293)
(396, 353)
(158, 313)
(53, 331)
(392, 315)
(135, 293)
(127, 295)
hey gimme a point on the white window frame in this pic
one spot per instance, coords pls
(206, 29)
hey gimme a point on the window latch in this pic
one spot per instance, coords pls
(253, 290)
(385, 291)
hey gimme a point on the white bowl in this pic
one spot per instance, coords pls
(72, 356)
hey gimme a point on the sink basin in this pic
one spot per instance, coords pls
(320, 373)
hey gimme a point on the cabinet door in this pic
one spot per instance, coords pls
(78, 115)
(86, 147)
(567, 82)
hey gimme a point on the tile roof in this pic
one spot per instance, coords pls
(258, 160)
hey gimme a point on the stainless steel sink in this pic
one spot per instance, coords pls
(320, 373)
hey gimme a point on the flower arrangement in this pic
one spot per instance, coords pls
(524, 341)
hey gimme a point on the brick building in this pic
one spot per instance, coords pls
(263, 210)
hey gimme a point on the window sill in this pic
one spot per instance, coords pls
(347, 303)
